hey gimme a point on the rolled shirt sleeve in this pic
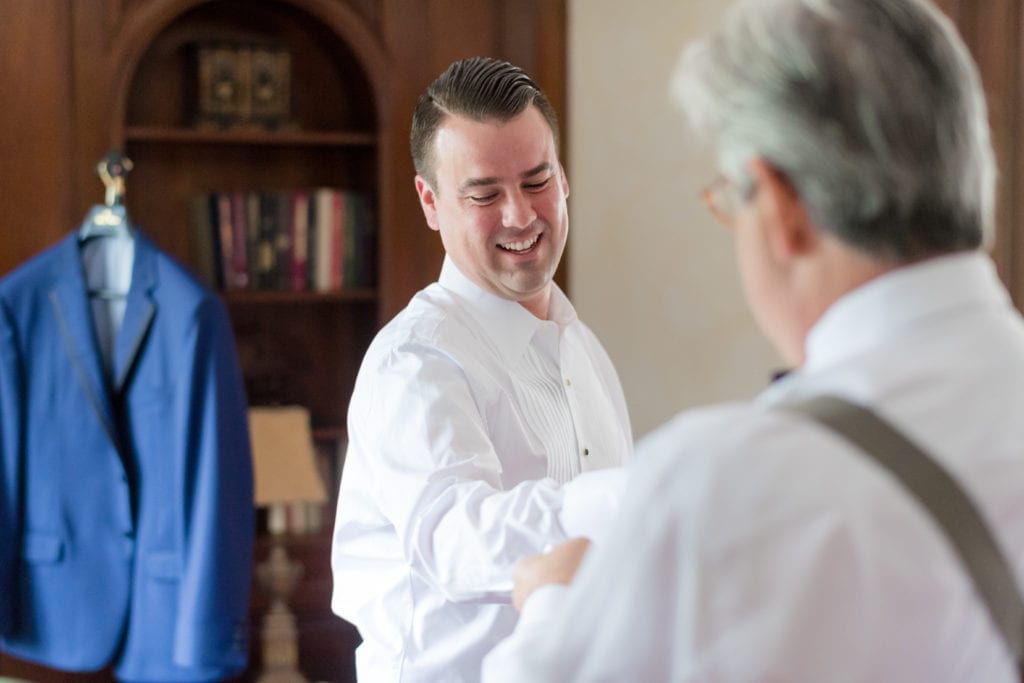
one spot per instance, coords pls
(439, 481)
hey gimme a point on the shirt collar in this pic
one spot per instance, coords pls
(509, 326)
(900, 299)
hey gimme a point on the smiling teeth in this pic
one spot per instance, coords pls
(520, 246)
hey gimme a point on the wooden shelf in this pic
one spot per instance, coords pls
(270, 296)
(166, 134)
(332, 434)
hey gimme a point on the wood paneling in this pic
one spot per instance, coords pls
(35, 127)
(1011, 134)
(992, 31)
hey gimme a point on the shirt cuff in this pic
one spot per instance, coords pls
(592, 502)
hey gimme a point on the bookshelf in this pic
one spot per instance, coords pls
(295, 346)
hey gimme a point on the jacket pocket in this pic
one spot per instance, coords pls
(42, 548)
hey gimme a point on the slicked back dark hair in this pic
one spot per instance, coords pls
(480, 89)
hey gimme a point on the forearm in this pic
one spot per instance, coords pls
(466, 536)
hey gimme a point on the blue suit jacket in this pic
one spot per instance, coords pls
(126, 506)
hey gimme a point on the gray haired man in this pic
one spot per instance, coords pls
(857, 175)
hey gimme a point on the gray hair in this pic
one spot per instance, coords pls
(873, 109)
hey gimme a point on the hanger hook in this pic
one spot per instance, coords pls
(112, 170)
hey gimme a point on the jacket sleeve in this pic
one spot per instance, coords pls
(439, 479)
(10, 468)
(218, 511)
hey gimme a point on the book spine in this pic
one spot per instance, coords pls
(239, 237)
(281, 205)
(203, 239)
(225, 228)
(324, 230)
(337, 240)
(351, 239)
(260, 246)
(367, 243)
(299, 256)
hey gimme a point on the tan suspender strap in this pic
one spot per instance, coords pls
(947, 502)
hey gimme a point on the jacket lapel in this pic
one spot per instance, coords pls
(138, 314)
(70, 303)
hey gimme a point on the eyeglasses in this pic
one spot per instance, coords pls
(722, 198)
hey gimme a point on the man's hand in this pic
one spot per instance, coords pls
(557, 566)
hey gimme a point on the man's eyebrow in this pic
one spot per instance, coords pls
(493, 180)
(478, 182)
(539, 168)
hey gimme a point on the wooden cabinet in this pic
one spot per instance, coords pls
(88, 76)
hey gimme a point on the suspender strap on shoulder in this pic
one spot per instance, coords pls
(942, 497)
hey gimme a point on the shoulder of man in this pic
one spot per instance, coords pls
(433, 323)
(728, 433)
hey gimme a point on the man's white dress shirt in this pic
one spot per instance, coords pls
(470, 422)
(755, 545)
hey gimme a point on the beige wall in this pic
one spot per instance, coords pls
(651, 272)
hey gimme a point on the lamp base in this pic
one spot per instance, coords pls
(279, 637)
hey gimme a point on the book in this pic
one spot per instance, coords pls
(280, 203)
(266, 227)
(349, 239)
(299, 252)
(259, 241)
(366, 243)
(220, 88)
(239, 266)
(338, 230)
(324, 238)
(205, 241)
(226, 235)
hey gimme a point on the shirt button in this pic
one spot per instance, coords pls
(586, 451)
(568, 382)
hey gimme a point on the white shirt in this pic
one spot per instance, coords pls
(469, 416)
(754, 545)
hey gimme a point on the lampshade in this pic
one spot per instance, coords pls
(283, 456)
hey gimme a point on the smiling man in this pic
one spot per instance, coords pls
(487, 421)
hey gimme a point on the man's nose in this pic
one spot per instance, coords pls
(517, 211)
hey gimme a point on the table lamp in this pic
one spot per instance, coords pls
(285, 471)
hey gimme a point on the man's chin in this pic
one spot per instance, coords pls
(524, 289)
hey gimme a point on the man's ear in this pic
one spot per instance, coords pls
(565, 180)
(428, 202)
(788, 227)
